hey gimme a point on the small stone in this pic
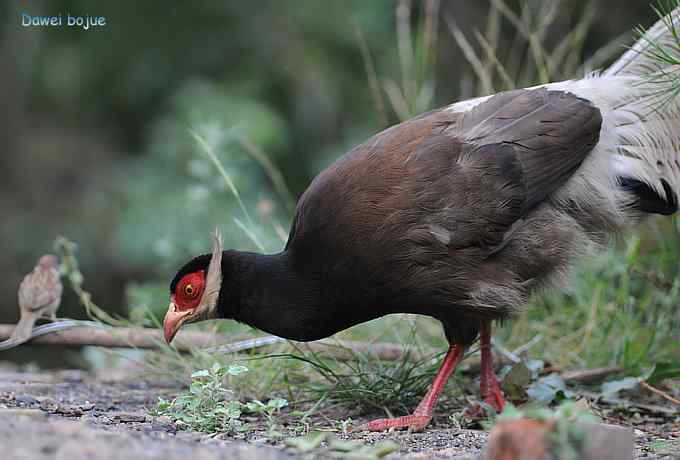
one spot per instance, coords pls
(164, 419)
(86, 406)
(127, 417)
(49, 405)
(70, 411)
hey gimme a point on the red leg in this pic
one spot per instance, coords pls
(489, 387)
(423, 413)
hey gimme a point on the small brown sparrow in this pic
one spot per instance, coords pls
(39, 296)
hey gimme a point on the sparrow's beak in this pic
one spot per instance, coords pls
(174, 319)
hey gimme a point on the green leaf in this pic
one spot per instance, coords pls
(516, 382)
(242, 427)
(663, 370)
(163, 404)
(548, 389)
(232, 411)
(255, 406)
(277, 403)
(200, 374)
(611, 388)
(236, 369)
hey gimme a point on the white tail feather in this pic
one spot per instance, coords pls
(640, 135)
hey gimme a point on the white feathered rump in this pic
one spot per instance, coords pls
(647, 113)
(640, 135)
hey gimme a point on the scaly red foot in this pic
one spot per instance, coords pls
(488, 385)
(494, 395)
(411, 422)
(423, 413)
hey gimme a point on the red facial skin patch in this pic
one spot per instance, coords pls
(189, 291)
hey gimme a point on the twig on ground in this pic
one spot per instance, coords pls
(590, 375)
(656, 391)
(666, 411)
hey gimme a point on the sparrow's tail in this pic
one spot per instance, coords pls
(22, 332)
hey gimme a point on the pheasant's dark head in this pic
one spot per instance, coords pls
(194, 291)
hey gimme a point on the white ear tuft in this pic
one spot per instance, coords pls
(217, 241)
(213, 281)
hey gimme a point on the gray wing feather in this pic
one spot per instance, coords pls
(550, 132)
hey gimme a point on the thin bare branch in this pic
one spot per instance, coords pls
(656, 391)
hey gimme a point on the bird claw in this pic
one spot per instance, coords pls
(412, 422)
(495, 399)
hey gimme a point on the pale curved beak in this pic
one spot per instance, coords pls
(174, 319)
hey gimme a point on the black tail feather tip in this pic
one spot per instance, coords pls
(648, 200)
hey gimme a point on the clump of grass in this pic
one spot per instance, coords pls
(362, 382)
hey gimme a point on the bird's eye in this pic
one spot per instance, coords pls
(189, 290)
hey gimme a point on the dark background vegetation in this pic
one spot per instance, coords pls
(94, 125)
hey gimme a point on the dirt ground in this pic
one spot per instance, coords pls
(72, 414)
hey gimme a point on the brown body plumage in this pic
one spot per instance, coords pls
(39, 296)
(443, 215)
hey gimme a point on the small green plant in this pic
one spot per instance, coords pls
(270, 410)
(207, 406)
(345, 425)
(663, 447)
